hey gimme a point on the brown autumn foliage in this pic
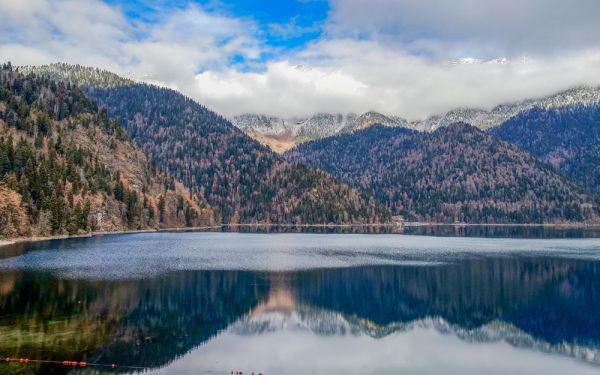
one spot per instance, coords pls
(13, 220)
(74, 170)
(456, 173)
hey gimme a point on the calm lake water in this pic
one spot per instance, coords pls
(193, 303)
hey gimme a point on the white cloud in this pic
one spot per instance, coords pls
(60, 29)
(384, 55)
(186, 42)
(171, 50)
(358, 76)
(466, 27)
(283, 89)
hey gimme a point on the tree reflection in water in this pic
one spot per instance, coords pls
(151, 322)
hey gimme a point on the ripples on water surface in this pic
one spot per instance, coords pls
(303, 303)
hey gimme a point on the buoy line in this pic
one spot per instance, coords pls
(68, 363)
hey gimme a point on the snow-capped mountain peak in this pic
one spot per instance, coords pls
(325, 124)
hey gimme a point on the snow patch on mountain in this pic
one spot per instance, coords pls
(324, 124)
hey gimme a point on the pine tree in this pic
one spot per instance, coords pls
(161, 207)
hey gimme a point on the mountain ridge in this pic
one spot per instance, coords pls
(308, 128)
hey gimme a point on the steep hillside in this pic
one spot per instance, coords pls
(242, 180)
(567, 137)
(456, 173)
(66, 167)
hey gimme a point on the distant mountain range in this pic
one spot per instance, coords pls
(282, 134)
(534, 161)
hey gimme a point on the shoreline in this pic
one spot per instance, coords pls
(12, 241)
(524, 225)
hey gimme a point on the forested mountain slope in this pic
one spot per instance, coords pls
(66, 167)
(456, 173)
(566, 137)
(242, 180)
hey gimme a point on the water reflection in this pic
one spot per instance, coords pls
(520, 307)
(132, 323)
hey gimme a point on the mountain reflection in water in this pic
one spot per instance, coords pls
(540, 311)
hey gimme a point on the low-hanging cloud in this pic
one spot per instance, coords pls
(396, 57)
(357, 76)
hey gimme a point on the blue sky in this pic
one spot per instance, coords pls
(412, 58)
(284, 25)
